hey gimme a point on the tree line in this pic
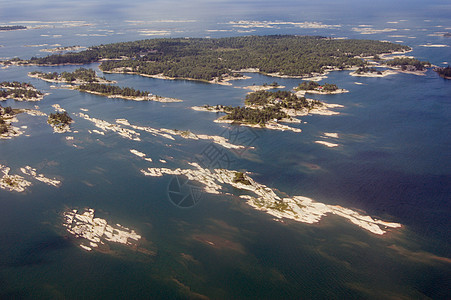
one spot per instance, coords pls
(313, 85)
(81, 74)
(111, 90)
(59, 118)
(405, 62)
(18, 90)
(264, 106)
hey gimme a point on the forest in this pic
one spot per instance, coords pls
(312, 85)
(367, 70)
(18, 90)
(407, 63)
(264, 106)
(279, 100)
(80, 74)
(110, 90)
(207, 59)
(4, 127)
(59, 119)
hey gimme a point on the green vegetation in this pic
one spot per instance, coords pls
(254, 116)
(207, 59)
(274, 84)
(265, 106)
(279, 205)
(279, 100)
(408, 64)
(5, 127)
(312, 85)
(444, 72)
(59, 119)
(81, 74)
(240, 178)
(367, 70)
(111, 90)
(18, 90)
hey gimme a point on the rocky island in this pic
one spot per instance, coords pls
(79, 76)
(444, 72)
(8, 116)
(63, 49)
(19, 91)
(60, 121)
(312, 87)
(126, 93)
(95, 233)
(263, 198)
(396, 65)
(268, 109)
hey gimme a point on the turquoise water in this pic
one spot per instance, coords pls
(393, 163)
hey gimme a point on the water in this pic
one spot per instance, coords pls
(392, 162)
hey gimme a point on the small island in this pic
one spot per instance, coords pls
(94, 233)
(60, 121)
(396, 65)
(264, 87)
(126, 93)
(19, 91)
(313, 87)
(7, 116)
(12, 27)
(63, 49)
(267, 109)
(79, 76)
(444, 72)
(265, 199)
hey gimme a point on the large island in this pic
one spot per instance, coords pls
(219, 60)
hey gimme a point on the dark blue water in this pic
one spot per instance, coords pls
(392, 162)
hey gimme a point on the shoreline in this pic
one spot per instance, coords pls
(337, 91)
(324, 109)
(225, 80)
(257, 88)
(154, 98)
(77, 82)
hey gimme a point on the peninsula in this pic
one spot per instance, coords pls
(218, 60)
